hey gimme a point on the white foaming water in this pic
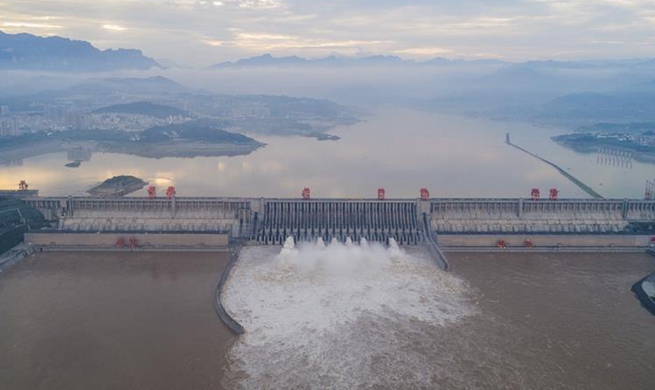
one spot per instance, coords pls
(337, 316)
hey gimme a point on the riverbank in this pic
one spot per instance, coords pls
(187, 149)
(13, 256)
(592, 143)
(11, 154)
(645, 291)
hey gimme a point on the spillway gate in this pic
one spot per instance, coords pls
(307, 220)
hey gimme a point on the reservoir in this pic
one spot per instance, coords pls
(400, 150)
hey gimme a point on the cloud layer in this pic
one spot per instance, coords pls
(203, 32)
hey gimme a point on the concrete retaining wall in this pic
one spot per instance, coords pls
(569, 240)
(109, 239)
(13, 256)
(218, 304)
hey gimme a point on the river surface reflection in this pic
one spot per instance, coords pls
(398, 149)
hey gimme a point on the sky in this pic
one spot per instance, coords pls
(200, 33)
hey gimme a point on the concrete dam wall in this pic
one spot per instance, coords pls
(46, 239)
(271, 221)
(538, 216)
(208, 215)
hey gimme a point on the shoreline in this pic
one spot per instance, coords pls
(189, 149)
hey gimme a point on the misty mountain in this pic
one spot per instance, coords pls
(268, 60)
(96, 90)
(143, 108)
(30, 52)
(155, 85)
(597, 107)
(588, 108)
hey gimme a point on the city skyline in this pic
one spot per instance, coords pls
(200, 33)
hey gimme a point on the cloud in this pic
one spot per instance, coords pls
(216, 30)
(114, 27)
(28, 25)
(424, 51)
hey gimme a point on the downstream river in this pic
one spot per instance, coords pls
(400, 150)
(498, 321)
(112, 321)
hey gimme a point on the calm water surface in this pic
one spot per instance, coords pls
(112, 321)
(400, 150)
(562, 321)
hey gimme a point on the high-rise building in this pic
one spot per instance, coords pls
(4, 110)
(8, 128)
(55, 114)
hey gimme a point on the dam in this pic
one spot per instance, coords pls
(269, 221)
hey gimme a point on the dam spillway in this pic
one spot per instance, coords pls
(307, 220)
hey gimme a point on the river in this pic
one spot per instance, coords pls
(498, 321)
(112, 321)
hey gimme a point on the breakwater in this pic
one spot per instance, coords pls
(567, 175)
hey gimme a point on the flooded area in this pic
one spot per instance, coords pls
(399, 149)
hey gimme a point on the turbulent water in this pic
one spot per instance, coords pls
(341, 316)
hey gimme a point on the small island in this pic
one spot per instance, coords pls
(324, 136)
(189, 139)
(118, 186)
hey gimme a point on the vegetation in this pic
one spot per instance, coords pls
(195, 131)
(122, 180)
(118, 186)
(15, 219)
(203, 131)
(645, 128)
(588, 143)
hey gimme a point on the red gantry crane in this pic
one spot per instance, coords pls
(553, 194)
(425, 194)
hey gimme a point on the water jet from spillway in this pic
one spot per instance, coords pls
(335, 310)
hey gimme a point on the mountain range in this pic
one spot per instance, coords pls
(268, 60)
(31, 52)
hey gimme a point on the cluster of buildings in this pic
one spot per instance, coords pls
(641, 138)
(61, 117)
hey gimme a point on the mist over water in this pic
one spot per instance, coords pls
(339, 316)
